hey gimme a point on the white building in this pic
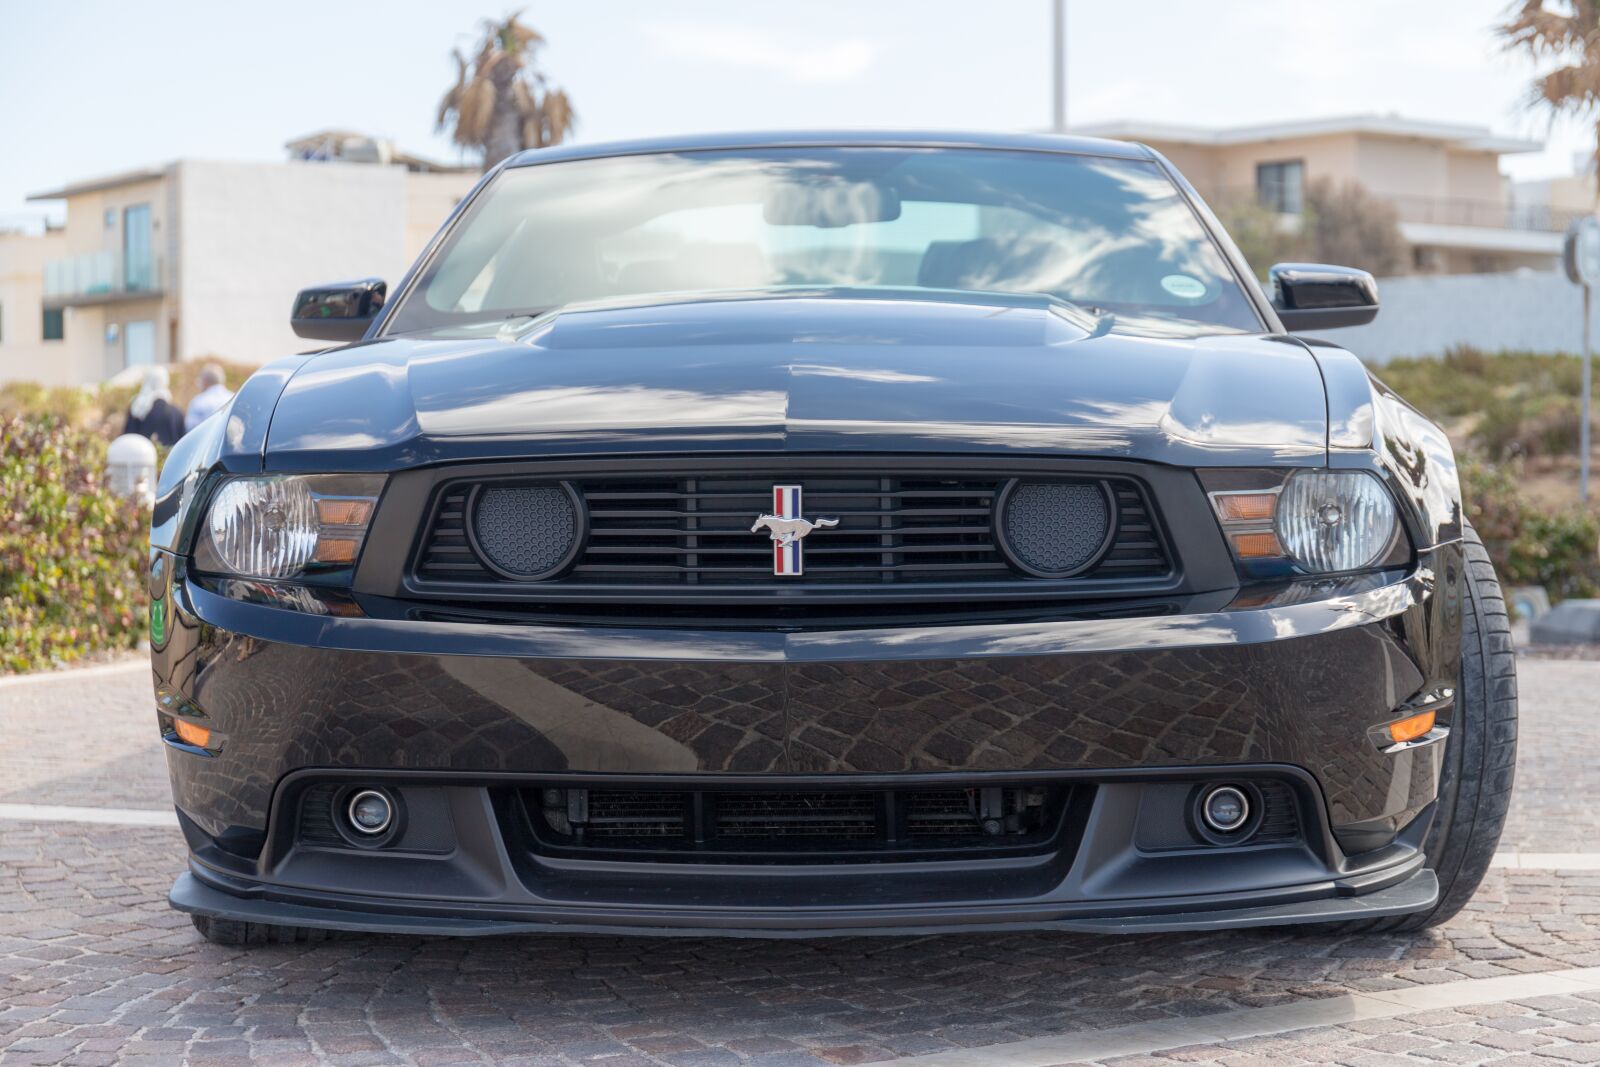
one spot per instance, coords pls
(198, 259)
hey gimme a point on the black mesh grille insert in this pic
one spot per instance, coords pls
(1056, 528)
(525, 531)
(796, 825)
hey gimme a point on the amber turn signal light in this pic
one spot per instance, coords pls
(343, 511)
(1246, 507)
(336, 549)
(1259, 545)
(190, 734)
(1409, 729)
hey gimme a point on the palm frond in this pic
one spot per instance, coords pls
(498, 82)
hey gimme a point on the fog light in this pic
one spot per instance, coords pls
(370, 812)
(1225, 809)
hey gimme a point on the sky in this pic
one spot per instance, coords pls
(93, 87)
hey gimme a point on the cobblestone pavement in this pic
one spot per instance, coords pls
(94, 968)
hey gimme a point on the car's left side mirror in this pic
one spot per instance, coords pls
(341, 311)
(1315, 296)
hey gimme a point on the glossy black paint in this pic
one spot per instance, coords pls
(1279, 677)
(824, 372)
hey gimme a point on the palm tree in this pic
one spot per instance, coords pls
(1568, 34)
(501, 103)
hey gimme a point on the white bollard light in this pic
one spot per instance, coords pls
(131, 467)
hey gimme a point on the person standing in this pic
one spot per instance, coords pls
(214, 393)
(152, 413)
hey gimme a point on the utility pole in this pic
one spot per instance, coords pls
(1058, 43)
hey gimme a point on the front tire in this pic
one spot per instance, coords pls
(1480, 754)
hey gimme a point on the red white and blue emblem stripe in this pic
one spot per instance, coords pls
(786, 555)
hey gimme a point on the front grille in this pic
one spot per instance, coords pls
(796, 825)
(692, 534)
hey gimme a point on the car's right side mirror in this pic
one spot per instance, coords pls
(1316, 296)
(340, 311)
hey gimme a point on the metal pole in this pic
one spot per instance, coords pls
(1583, 427)
(1059, 57)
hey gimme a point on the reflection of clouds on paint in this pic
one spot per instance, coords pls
(860, 374)
(606, 407)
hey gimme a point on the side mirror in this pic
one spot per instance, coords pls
(1315, 296)
(341, 311)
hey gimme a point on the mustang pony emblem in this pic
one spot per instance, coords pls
(788, 527)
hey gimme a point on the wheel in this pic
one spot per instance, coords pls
(1480, 755)
(234, 932)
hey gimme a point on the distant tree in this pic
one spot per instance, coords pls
(1567, 32)
(1347, 225)
(1341, 224)
(1263, 234)
(501, 103)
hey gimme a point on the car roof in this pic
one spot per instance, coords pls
(1034, 142)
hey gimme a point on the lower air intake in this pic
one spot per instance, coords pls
(797, 825)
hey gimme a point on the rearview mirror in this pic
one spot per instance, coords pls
(830, 203)
(340, 311)
(1315, 296)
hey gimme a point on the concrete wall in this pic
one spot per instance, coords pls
(1424, 315)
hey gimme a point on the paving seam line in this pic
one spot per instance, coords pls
(1147, 1038)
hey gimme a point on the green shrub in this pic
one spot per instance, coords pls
(1531, 545)
(1465, 380)
(1528, 423)
(70, 552)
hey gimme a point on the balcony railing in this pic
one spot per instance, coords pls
(100, 277)
(1487, 214)
(1451, 211)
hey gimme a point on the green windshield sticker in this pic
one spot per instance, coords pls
(1184, 287)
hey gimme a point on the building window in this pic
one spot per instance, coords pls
(1281, 186)
(138, 264)
(54, 327)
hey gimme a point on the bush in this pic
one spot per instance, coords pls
(1531, 545)
(102, 407)
(71, 553)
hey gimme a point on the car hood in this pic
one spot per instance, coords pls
(804, 373)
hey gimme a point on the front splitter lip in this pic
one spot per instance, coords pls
(1412, 893)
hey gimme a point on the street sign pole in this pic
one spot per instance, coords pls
(1581, 256)
(1583, 427)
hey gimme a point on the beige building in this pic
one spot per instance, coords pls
(198, 259)
(1456, 210)
(31, 336)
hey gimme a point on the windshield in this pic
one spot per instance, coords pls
(1112, 235)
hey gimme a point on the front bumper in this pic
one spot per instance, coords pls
(1287, 688)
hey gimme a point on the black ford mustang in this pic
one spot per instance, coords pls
(788, 535)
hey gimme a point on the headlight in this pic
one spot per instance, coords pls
(284, 526)
(1335, 520)
(1323, 521)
